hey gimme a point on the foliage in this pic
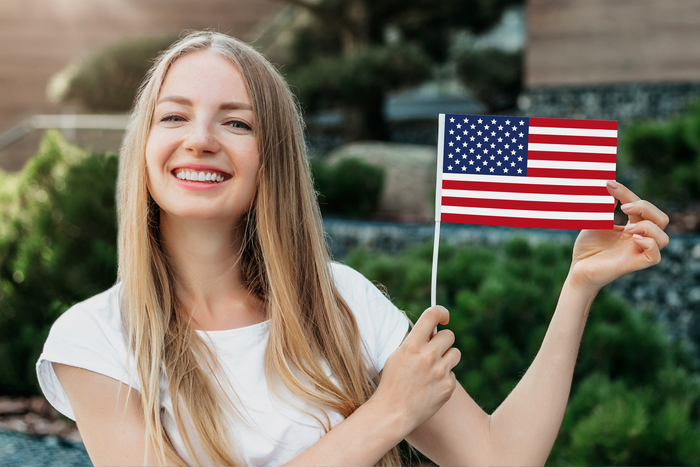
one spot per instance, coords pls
(667, 155)
(355, 52)
(57, 247)
(351, 187)
(108, 80)
(493, 75)
(636, 395)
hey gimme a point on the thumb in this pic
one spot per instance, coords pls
(424, 328)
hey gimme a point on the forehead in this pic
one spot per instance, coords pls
(206, 75)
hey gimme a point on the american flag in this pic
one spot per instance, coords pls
(526, 172)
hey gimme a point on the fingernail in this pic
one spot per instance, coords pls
(627, 206)
(630, 226)
(637, 236)
(613, 184)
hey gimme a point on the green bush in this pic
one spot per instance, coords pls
(494, 77)
(108, 80)
(667, 154)
(636, 394)
(351, 187)
(57, 247)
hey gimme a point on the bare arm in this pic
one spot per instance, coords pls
(112, 428)
(523, 429)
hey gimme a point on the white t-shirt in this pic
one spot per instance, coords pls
(90, 335)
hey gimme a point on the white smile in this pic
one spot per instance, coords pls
(194, 176)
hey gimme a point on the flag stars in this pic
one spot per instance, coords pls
(500, 140)
(505, 158)
(486, 127)
(515, 128)
(478, 133)
(507, 122)
(500, 127)
(478, 169)
(486, 138)
(458, 138)
(452, 132)
(493, 145)
(505, 170)
(471, 162)
(464, 168)
(466, 120)
(450, 156)
(478, 145)
(493, 157)
(464, 144)
(522, 123)
(480, 121)
(451, 143)
(449, 168)
(520, 159)
(478, 156)
(473, 126)
(520, 135)
(493, 133)
(465, 132)
(520, 146)
(507, 146)
(520, 171)
(513, 152)
(452, 120)
(493, 122)
(471, 150)
(471, 138)
(457, 150)
(512, 164)
(459, 125)
(507, 134)
(513, 140)
(498, 163)
(491, 169)
(499, 152)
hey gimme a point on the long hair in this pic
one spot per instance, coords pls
(284, 261)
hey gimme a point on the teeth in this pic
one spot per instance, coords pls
(199, 176)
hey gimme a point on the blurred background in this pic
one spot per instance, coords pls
(371, 78)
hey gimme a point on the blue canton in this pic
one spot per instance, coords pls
(485, 145)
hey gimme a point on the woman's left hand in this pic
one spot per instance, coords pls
(601, 256)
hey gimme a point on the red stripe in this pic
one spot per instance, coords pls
(518, 222)
(527, 205)
(525, 188)
(570, 156)
(567, 139)
(564, 173)
(573, 123)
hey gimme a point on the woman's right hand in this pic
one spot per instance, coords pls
(417, 378)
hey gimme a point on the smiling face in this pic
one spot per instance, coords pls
(202, 155)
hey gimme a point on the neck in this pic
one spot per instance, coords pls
(205, 255)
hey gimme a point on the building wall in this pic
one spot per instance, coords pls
(38, 38)
(595, 42)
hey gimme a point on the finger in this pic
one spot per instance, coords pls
(427, 322)
(641, 209)
(621, 192)
(452, 357)
(649, 229)
(649, 248)
(442, 341)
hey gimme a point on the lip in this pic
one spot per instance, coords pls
(199, 186)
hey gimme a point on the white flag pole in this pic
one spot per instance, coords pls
(438, 203)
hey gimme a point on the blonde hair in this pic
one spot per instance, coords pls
(284, 261)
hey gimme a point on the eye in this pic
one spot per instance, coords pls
(238, 125)
(172, 118)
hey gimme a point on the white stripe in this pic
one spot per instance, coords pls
(543, 130)
(572, 148)
(591, 216)
(540, 164)
(523, 180)
(528, 196)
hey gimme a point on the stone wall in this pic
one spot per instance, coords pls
(624, 103)
(671, 288)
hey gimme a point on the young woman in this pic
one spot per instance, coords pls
(230, 337)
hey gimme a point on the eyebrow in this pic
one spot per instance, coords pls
(224, 105)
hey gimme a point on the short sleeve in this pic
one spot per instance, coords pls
(382, 325)
(88, 336)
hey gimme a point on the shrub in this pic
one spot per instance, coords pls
(350, 187)
(108, 80)
(493, 75)
(667, 155)
(636, 394)
(57, 247)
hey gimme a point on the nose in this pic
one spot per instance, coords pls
(201, 140)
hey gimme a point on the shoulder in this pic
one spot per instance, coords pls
(100, 312)
(89, 335)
